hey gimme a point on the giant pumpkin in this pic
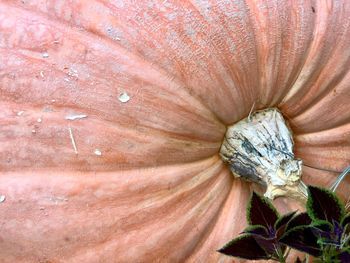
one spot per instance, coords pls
(112, 115)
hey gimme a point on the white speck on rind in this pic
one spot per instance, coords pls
(39, 120)
(124, 97)
(73, 72)
(2, 198)
(53, 101)
(20, 113)
(72, 140)
(75, 117)
(45, 55)
(33, 131)
(42, 73)
(97, 152)
(66, 79)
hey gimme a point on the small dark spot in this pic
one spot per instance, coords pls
(313, 9)
(67, 239)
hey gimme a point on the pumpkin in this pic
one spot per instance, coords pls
(113, 114)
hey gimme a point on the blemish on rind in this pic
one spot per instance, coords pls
(39, 120)
(45, 55)
(75, 117)
(20, 113)
(2, 198)
(72, 140)
(97, 152)
(124, 97)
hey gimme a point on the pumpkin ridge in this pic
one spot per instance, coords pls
(329, 89)
(209, 229)
(213, 183)
(224, 229)
(177, 87)
(231, 72)
(323, 52)
(92, 114)
(188, 89)
(326, 149)
(113, 112)
(330, 133)
(335, 100)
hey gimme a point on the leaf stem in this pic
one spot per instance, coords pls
(280, 255)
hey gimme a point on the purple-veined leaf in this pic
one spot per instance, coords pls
(302, 238)
(323, 204)
(261, 212)
(270, 245)
(245, 247)
(256, 230)
(282, 222)
(301, 219)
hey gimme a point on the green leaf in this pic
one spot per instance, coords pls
(303, 239)
(256, 230)
(245, 247)
(345, 220)
(301, 219)
(323, 204)
(284, 220)
(260, 211)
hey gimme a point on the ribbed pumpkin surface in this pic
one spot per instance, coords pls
(147, 183)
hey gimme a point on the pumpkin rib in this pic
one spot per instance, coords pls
(226, 62)
(155, 255)
(193, 200)
(223, 86)
(266, 22)
(328, 158)
(98, 192)
(58, 106)
(224, 230)
(331, 135)
(246, 107)
(117, 153)
(337, 117)
(157, 190)
(326, 92)
(324, 53)
(156, 71)
(167, 47)
(326, 149)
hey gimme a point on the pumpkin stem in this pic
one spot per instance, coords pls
(259, 149)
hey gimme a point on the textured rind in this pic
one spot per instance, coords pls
(158, 192)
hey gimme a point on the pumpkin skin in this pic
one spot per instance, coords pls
(159, 191)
